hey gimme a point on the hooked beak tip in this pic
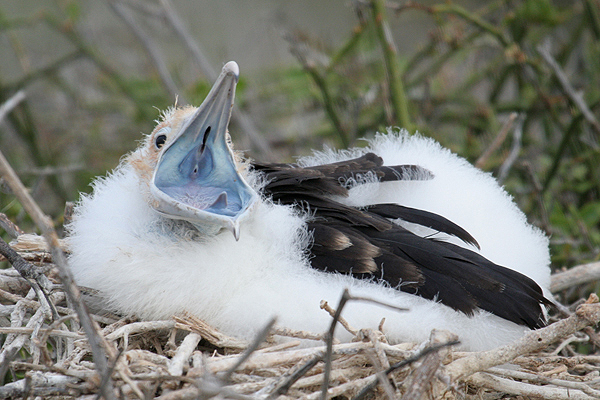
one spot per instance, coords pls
(236, 233)
(231, 68)
(235, 229)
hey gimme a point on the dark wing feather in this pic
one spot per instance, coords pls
(366, 244)
(330, 179)
(424, 218)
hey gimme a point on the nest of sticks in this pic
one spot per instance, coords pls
(47, 352)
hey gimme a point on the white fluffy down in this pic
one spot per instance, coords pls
(122, 248)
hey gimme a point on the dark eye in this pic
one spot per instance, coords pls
(160, 140)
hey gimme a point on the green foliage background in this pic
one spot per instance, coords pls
(461, 86)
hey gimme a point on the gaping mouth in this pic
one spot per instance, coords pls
(196, 178)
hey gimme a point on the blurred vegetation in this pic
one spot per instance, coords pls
(513, 86)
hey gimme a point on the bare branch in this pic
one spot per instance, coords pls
(577, 275)
(497, 142)
(144, 7)
(293, 375)
(260, 337)
(422, 377)
(209, 333)
(575, 97)
(585, 315)
(151, 49)
(525, 389)
(409, 360)
(514, 151)
(183, 353)
(541, 379)
(38, 281)
(42, 384)
(329, 343)
(11, 103)
(392, 64)
(179, 27)
(11, 228)
(239, 117)
(45, 224)
(325, 306)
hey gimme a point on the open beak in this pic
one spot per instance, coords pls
(196, 178)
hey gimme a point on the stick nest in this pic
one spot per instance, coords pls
(184, 358)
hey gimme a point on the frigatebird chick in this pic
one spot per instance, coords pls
(403, 221)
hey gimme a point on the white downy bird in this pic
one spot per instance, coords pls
(403, 221)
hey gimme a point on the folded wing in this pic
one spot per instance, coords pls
(367, 244)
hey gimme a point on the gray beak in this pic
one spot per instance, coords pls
(196, 178)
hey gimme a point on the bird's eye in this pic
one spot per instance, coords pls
(160, 141)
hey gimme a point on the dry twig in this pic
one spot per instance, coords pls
(585, 315)
(575, 97)
(497, 142)
(280, 370)
(45, 225)
(514, 151)
(575, 276)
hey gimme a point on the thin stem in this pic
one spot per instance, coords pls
(151, 49)
(351, 43)
(311, 69)
(473, 19)
(392, 65)
(329, 345)
(439, 62)
(58, 256)
(569, 90)
(242, 119)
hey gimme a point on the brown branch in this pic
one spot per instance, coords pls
(325, 306)
(183, 353)
(409, 360)
(11, 103)
(511, 386)
(10, 227)
(422, 377)
(329, 343)
(575, 97)
(239, 117)
(514, 151)
(575, 276)
(150, 47)
(260, 337)
(36, 278)
(585, 315)
(497, 142)
(44, 223)
(392, 65)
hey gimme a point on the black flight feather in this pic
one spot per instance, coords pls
(331, 178)
(365, 243)
(423, 218)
